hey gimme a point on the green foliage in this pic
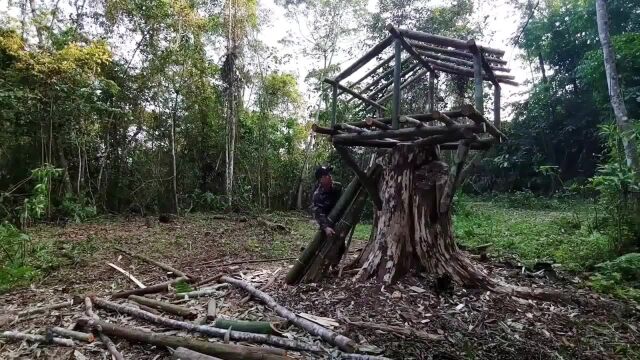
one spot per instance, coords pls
(619, 277)
(39, 202)
(78, 210)
(182, 286)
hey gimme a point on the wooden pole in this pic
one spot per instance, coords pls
(334, 103)
(452, 53)
(395, 106)
(165, 306)
(207, 330)
(460, 62)
(375, 51)
(459, 70)
(106, 341)
(386, 85)
(225, 351)
(371, 187)
(341, 341)
(157, 263)
(379, 78)
(162, 287)
(408, 133)
(353, 93)
(446, 41)
(186, 354)
(431, 92)
(406, 83)
(371, 72)
(496, 106)
(477, 77)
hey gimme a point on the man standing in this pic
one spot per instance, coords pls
(325, 198)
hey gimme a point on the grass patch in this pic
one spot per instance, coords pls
(561, 233)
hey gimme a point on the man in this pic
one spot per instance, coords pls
(324, 199)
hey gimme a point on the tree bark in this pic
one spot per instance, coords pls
(342, 342)
(226, 351)
(617, 103)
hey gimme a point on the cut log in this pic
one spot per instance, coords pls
(397, 330)
(162, 287)
(211, 279)
(157, 263)
(128, 275)
(18, 336)
(77, 335)
(207, 330)
(255, 327)
(212, 291)
(212, 310)
(111, 347)
(186, 354)
(225, 351)
(341, 341)
(166, 307)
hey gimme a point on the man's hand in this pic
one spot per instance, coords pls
(329, 231)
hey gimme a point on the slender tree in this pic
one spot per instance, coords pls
(615, 94)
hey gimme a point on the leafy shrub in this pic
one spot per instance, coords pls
(78, 210)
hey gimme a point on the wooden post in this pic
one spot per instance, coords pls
(496, 105)
(334, 103)
(477, 77)
(395, 107)
(431, 94)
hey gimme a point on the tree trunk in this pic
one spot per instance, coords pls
(174, 174)
(617, 103)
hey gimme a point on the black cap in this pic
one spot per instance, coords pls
(322, 171)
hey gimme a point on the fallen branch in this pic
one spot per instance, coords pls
(162, 287)
(86, 337)
(128, 275)
(210, 279)
(75, 300)
(225, 351)
(241, 262)
(157, 263)
(362, 357)
(111, 347)
(263, 287)
(166, 307)
(396, 329)
(207, 330)
(14, 335)
(186, 354)
(341, 341)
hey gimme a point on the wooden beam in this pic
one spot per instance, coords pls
(442, 117)
(412, 121)
(371, 72)
(458, 70)
(373, 52)
(478, 94)
(496, 106)
(377, 124)
(473, 114)
(406, 83)
(371, 188)
(396, 34)
(390, 82)
(323, 130)
(410, 132)
(364, 143)
(397, 73)
(353, 93)
(334, 104)
(446, 41)
(422, 117)
(459, 62)
(452, 53)
(377, 80)
(431, 96)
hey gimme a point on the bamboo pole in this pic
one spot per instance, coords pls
(225, 351)
(162, 287)
(395, 106)
(341, 341)
(431, 96)
(165, 306)
(14, 335)
(406, 83)
(380, 77)
(470, 112)
(85, 337)
(459, 62)
(386, 85)
(353, 93)
(186, 354)
(334, 103)
(204, 329)
(154, 262)
(371, 188)
(477, 78)
(459, 70)
(369, 73)
(496, 106)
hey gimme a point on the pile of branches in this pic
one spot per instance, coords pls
(166, 306)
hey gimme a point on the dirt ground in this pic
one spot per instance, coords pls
(462, 324)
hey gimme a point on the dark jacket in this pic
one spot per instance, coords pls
(323, 202)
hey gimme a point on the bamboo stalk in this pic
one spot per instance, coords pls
(162, 287)
(207, 330)
(166, 307)
(154, 262)
(186, 354)
(341, 341)
(111, 347)
(86, 337)
(226, 351)
(14, 335)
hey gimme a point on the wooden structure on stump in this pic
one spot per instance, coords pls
(409, 183)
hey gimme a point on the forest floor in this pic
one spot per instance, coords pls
(465, 323)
